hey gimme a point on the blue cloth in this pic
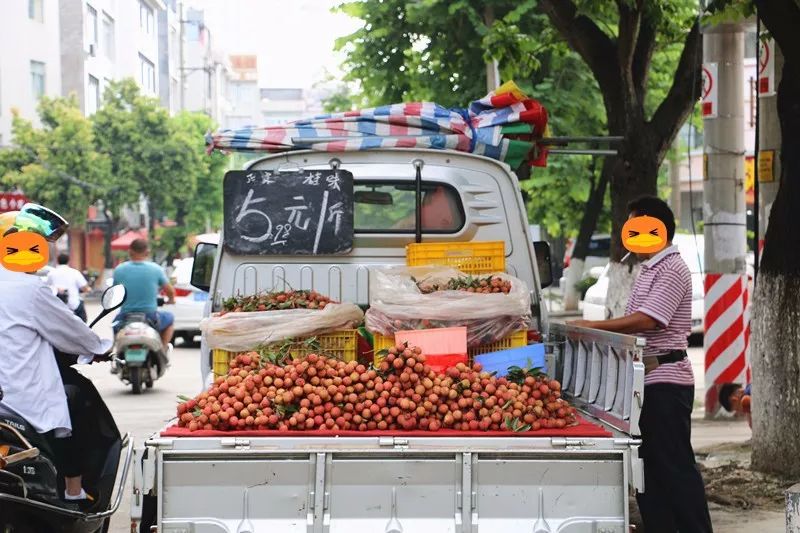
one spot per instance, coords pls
(160, 320)
(747, 390)
(142, 281)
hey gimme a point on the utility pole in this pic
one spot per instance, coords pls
(675, 179)
(492, 67)
(768, 160)
(725, 229)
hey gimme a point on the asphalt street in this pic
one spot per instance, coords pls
(143, 415)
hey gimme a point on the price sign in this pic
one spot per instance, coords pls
(288, 213)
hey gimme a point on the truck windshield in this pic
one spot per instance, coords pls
(382, 207)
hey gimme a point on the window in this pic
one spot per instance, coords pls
(146, 16)
(108, 36)
(93, 94)
(36, 10)
(91, 27)
(37, 78)
(382, 207)
(147, 74)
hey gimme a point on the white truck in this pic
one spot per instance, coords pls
(514, 483)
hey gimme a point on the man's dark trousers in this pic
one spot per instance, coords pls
(674, 499)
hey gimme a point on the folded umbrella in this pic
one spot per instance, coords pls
(504, 125)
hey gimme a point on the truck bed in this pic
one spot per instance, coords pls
(576, 481)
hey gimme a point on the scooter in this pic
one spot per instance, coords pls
(30, 486)
(140, 355)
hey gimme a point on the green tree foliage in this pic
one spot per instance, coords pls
(593, 64)
(163, 158)
(56, 165)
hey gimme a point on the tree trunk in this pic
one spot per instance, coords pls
(776, 306)
(635, 173)
(594, 205)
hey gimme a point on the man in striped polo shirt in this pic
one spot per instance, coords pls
(659, 309)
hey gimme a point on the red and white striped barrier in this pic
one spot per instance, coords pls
(727, 334)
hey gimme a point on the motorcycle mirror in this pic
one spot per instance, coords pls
(113, 297)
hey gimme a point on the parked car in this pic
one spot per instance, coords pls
(594, 304)
(189, 301)
(599, 251)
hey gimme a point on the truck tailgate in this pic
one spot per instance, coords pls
(353, 484)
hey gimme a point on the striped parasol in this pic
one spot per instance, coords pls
(504, 125)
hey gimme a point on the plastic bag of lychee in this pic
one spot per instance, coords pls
(402, 393)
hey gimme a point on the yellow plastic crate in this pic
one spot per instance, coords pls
(478, 257)
(340, 344)
(517, 339)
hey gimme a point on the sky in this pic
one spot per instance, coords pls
(293, 39)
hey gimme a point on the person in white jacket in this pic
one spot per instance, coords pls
(33, 322)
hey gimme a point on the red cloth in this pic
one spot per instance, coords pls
(583, 429)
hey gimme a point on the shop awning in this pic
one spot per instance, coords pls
(124, 241)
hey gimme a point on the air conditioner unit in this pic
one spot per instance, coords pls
(93, 50)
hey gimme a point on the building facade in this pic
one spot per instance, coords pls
(206, 69)
(30, 65)
(105, 40)
(243, 93)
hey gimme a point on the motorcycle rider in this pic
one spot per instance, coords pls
(32, 381)
(142, 280)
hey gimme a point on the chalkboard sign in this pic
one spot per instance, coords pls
(306, 212)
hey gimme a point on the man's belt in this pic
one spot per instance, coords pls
(653, 362)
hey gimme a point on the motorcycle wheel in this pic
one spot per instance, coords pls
(136, 380)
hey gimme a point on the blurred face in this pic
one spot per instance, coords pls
(23, 251)
(736, 400)
(644, 235)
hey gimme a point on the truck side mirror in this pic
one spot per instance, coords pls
(543, 263)
(203, 265)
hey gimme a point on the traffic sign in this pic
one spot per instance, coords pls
(766, 68)
(710, 90)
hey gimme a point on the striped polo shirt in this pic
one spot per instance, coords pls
(663, 291)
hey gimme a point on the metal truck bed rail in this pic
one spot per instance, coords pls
(601, 373)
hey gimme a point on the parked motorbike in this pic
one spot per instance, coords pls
(140, 355)
(30, 485)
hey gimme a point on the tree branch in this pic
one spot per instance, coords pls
(675, 108)
(642, 57)
(587, 39)
(630, 20)
(782, 19)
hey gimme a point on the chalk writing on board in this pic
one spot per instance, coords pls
(294, 212)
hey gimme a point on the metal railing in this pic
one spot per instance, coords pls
(602, 373)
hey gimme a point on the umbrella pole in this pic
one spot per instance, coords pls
(418, 201)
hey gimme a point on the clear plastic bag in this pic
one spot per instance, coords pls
(246, 331)
(397, 303)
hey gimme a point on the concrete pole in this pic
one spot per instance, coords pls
(769, 139)
(492, 67)
(793, 509)
(724, 216)
(675, 179)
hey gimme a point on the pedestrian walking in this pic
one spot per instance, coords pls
(71, 282)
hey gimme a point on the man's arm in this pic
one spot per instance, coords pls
(633, 323)
(60, 327)
(164, 283)
(168, 288)
(83, 285)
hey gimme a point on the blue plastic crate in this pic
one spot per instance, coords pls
(530, 356)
